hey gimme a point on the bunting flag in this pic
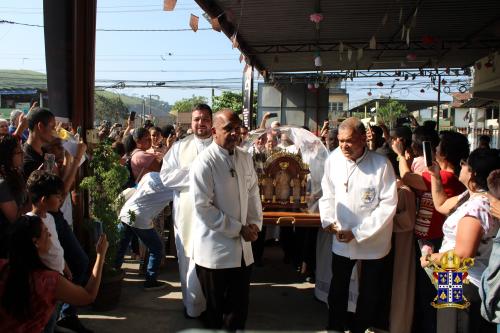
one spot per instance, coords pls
(360, 53)
(234, 41)
(373, 43)
(169, 5)
(193, 22)
(349, 54)
(215, 24)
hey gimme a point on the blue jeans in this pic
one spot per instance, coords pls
(75, 257)
(151, 240)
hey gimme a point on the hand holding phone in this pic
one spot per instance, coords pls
(426, 147)
(49, 162)
(132, 116)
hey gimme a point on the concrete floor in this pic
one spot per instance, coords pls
(279, 300)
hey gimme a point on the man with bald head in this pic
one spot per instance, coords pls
(228, 216)
(358, 203)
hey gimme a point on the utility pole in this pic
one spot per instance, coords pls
(439, 102)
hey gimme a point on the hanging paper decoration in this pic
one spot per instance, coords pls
(215, 24)
(234, 40)
(384, 20)
(373, 43)
(400, 15)
(169, 5)
(428, 40)
(316, 18)
(193, 22)
(411, 56)
(349, 54)
(360, 53)
(414, 19)
(317, 60)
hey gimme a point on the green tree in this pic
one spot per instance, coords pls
(228, 99)
(390, 112)
(110, 108)
(187, 104)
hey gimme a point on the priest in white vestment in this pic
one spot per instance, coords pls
(175, 175)
(228, 217)
(358, 205)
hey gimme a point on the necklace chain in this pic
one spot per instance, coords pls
(346, 184)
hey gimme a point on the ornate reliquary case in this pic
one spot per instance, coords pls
(282, 180)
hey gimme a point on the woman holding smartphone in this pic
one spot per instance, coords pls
(452, 148)
(468, 231)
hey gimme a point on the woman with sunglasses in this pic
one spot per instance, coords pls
(468, 231)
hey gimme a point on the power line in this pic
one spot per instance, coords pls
(111, 30)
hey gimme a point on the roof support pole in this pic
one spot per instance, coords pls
(439, 102)
(69, 29)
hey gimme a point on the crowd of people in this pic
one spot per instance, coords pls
(386, 213)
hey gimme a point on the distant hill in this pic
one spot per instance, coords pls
(25, 79)
(22, 79)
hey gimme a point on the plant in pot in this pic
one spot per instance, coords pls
(105, 184)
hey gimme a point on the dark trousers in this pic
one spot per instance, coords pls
(226, 291)
(372, 293)
(452, 320)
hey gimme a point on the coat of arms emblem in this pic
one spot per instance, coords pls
(450, 274)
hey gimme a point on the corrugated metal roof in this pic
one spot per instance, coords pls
(278, 35)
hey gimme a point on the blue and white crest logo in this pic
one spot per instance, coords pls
(450, 274)
(450, 287)
(368, 195)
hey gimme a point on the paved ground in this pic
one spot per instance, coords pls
(278, 301)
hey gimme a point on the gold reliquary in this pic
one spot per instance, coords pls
(282, 180)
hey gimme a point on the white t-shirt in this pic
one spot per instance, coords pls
(54, 258)
(148, 201)
(67, 210)
(477, 207)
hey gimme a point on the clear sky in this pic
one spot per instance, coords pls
(157, 56)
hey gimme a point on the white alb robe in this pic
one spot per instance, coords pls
(175, 175)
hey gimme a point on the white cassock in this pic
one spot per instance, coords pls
(226, 196)
(175, 175)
